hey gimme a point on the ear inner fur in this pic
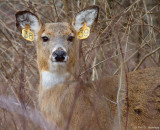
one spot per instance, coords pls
(88, 15)
(25, 17)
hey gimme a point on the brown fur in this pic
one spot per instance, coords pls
(89, 111)
(144, 99)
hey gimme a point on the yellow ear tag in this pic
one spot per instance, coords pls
(27, 34)
(84, 32)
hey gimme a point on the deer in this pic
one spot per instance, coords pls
(64, 98)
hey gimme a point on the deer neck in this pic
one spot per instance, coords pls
(53, 83)
(51, 79)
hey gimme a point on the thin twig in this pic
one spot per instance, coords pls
(149, 54)
(109, 100)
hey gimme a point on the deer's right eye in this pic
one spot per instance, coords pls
(70, 38)
(45, 39)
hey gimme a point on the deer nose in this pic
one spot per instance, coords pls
(59, 55)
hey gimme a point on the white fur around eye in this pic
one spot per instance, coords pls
(87, 16)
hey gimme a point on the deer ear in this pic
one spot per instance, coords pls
(88, 15)
(24, 18)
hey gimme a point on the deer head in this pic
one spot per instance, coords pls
(57, 43)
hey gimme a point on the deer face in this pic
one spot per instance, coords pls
(57, 43)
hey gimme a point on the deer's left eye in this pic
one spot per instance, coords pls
(45, 39)
(70, 38)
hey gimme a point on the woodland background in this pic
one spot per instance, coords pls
(127, 30)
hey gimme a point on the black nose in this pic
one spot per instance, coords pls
(59, 55)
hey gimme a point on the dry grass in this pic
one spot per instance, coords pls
(126, 38)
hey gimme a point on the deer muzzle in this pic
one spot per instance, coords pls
(59, 55)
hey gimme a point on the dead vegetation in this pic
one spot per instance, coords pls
(126, 38)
